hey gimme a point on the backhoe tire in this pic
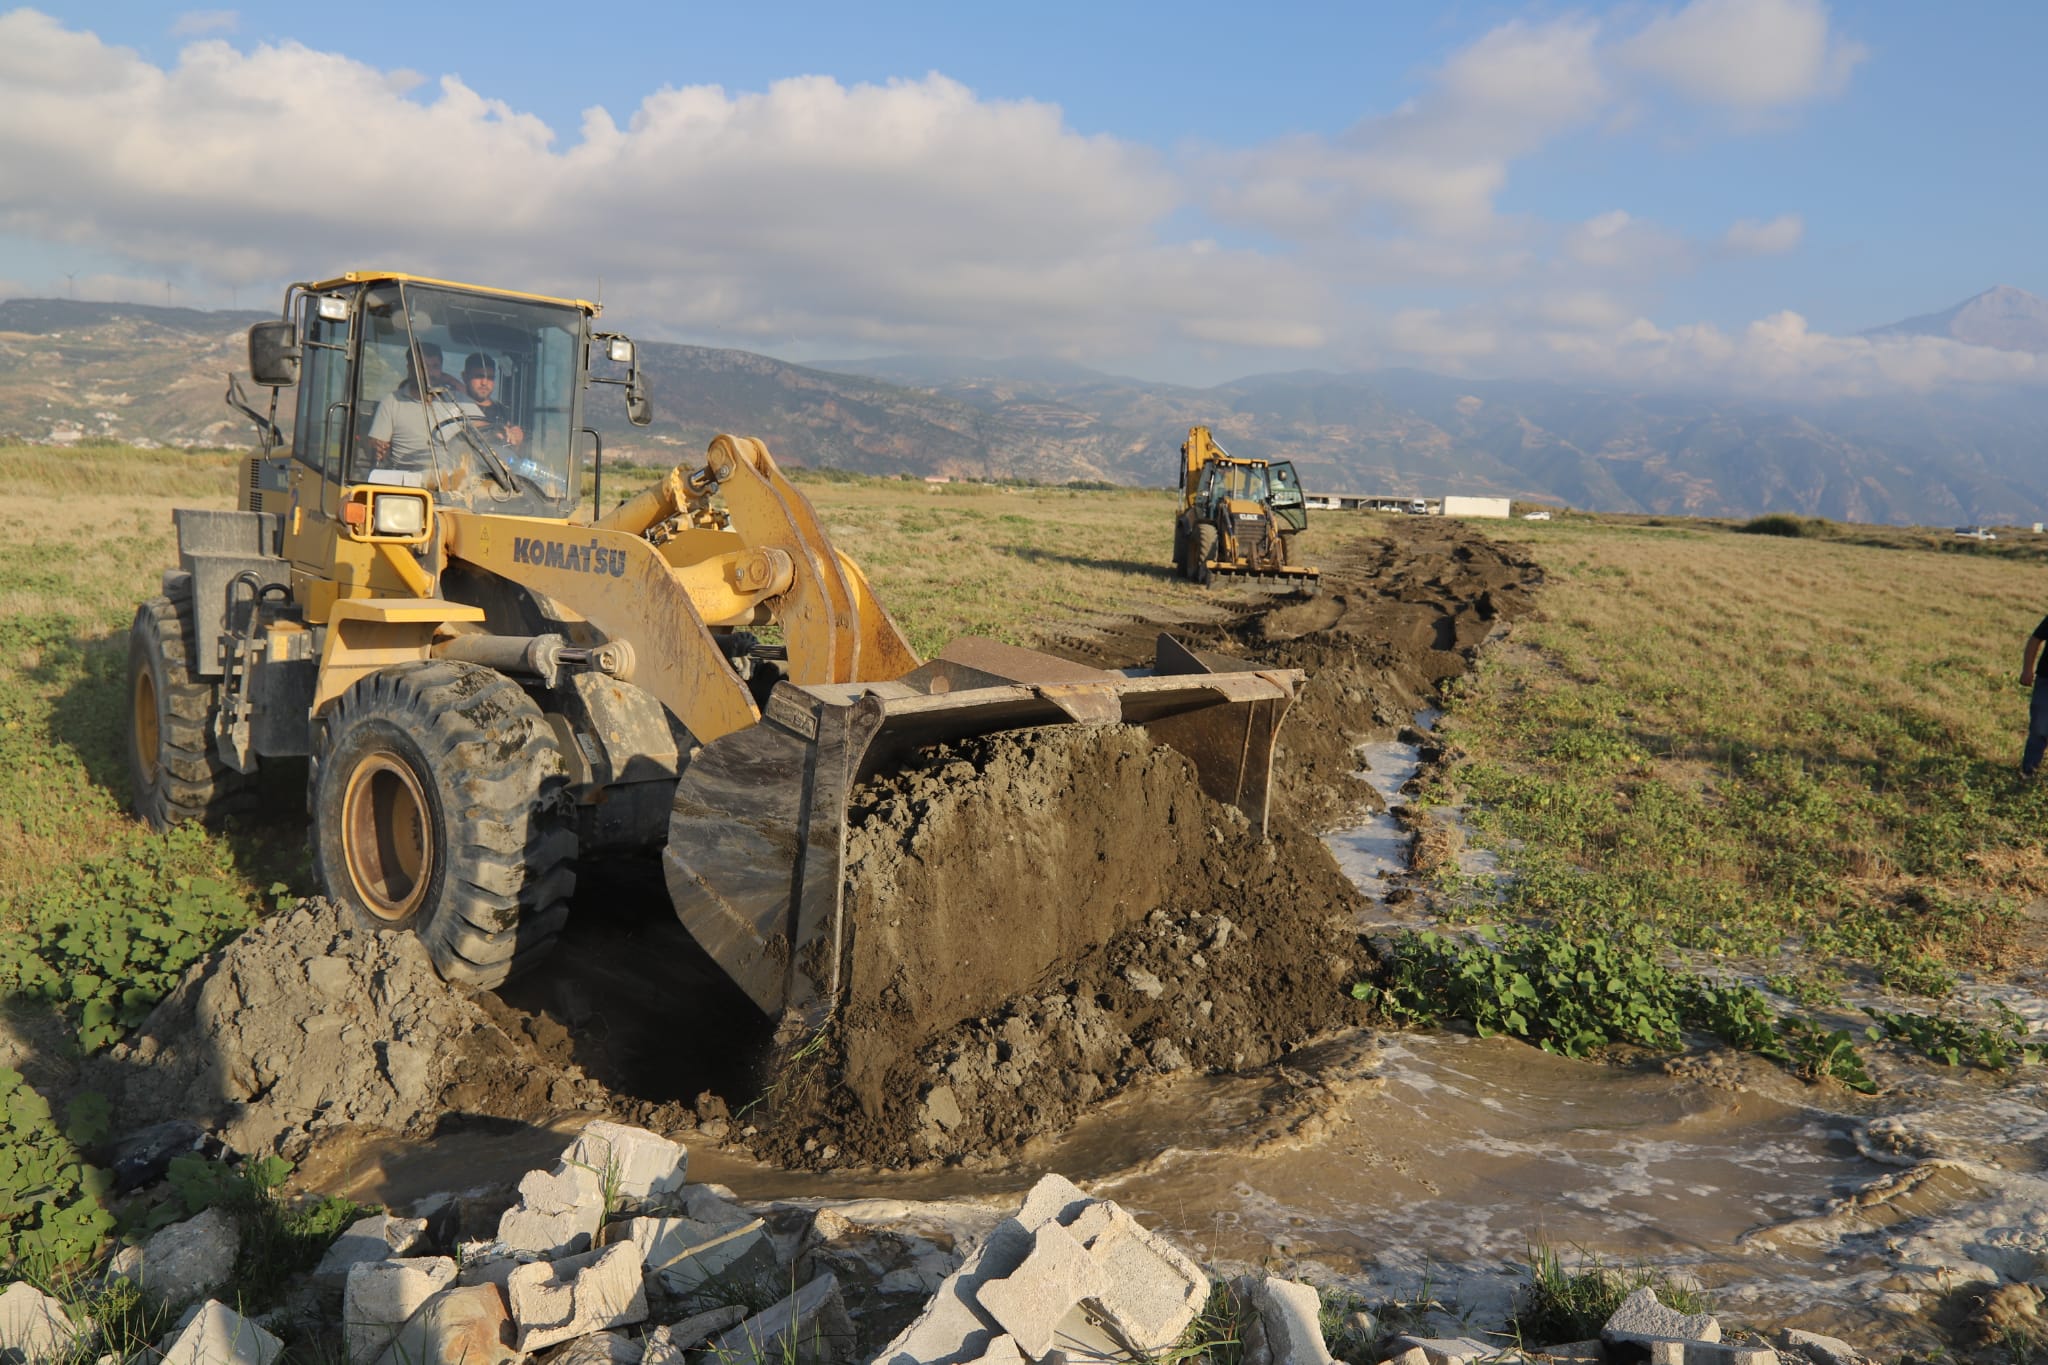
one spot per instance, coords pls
(440, 805)
(174, 762)
(1205, 550)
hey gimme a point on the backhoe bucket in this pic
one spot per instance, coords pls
(757, 841)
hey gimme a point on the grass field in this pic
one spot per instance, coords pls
(1748, 741)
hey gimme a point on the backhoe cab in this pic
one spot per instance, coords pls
(1237, 516)
(491, 683)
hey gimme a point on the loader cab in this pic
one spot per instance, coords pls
(382, 397)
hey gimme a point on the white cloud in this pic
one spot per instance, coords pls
(197, 23)
(1749, 237)
(1749, 55)
(907, 214)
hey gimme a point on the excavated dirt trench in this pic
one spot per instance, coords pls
(1187, 942)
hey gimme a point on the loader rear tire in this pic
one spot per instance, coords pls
(174, 761)
(440, 805)
(1205, 550)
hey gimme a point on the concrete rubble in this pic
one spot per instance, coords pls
(218, 1335)
(376, 1238)
(380, 1296)
(186, 1261)
(556, 1301)
(610, 1258)
(34, 1327)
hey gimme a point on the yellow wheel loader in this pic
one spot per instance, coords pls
(493, 683)
(1237, 516)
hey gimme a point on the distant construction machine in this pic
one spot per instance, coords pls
(1237, 516)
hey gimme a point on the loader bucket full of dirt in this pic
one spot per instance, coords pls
(757, 849)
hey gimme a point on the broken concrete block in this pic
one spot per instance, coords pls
(631, 1163)
(462, 1325)
(1291, 1316)
(189, 1260)
(34, 1328)
(953, 1328)
(1153, 1291)
(218, 1335)
(1031, 1301)
(1444, 1350)
(381, 1295)
(713, 1204)
(376, 1238)
(600, 1348)
(690, 1256)
(1642, 1315)
(572, 1297)
(1592, 1352)
(1411, 1355)
(666, 1345)
(1003, 1351)
(558, 1213)
(810, 1327)
(1821, 1350)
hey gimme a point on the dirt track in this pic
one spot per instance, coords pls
(1200, 946)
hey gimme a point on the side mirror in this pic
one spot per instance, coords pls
(639, 407)
(274, 354)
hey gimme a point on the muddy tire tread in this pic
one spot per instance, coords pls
(192, 782)
(506, 869)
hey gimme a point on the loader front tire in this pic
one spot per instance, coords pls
(174, 762)
(440, 806)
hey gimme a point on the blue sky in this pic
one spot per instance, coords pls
(1640, 192)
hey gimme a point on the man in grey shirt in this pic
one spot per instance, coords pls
(418, 420)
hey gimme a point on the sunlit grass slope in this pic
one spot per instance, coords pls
(1751, 742)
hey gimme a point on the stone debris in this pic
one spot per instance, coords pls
(186, 1261)
(558, 1213)
(218, 1335)
(463, 1325)
(1033, 1300)
(1003, 1351)
(1438, 1350)
(1686, 1351)
(557, 1301)
(1145, 1297)
(380, 1296)
(1284, 1324)
(376, 1238)
(600, 1348)
(631, 1163)
(1821, 1350)
(666, 1345)
(1642, 1315)
(810, 1327)
(690, 1257)
(34, 1328)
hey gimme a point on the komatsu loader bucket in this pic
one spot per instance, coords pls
(757, 843)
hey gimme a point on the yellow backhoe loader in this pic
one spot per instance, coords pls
(1237, 516)
(492, 685)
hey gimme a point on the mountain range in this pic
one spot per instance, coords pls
(72, 370)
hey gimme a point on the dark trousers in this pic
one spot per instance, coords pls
(2037, 728)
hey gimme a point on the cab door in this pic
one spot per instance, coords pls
(320, 434)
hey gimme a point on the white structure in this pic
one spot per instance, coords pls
(1456, 506)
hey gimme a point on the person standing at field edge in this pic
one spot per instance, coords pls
(2037, 710)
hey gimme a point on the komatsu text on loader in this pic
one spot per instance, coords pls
(492, 680)
(1237, 516)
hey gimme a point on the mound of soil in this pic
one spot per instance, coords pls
(307, 1024)
(1177, 938)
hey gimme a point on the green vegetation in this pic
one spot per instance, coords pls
(1560, 1305)
(1745, 743)
(1777, 524)
(1573, 996)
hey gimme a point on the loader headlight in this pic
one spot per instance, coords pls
(397, 514)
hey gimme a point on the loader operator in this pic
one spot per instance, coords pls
(416, 419)
(480, 378)
(2037, 709)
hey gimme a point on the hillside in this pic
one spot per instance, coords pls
(138, 373)
(2003, 317)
